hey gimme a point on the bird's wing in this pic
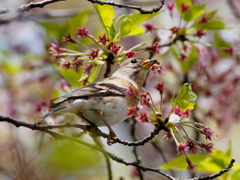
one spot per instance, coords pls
(100, 88)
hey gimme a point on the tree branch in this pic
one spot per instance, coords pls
(57, 135)
(41, 4)
(142, 11)
(31, 5)
(213, 176)
(94, 131)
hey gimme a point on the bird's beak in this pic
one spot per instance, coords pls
(147, 64)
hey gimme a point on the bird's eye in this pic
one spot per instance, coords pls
(133, 61)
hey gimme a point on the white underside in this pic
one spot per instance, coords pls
(114, 109)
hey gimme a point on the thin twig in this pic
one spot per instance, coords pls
(213, 176)
(31, 5)
(15, 13)
(142, 11)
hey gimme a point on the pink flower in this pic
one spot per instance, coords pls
(207, 131)
(154, 48)
(149, 27)
(230, 51)
(204, 20)
(186, 113)
(170, 6)
(168, 137)
(158, 69)
(186, 47)
(174, 30)
(160, 87)
(193, 147)
(143, 117)
(103, 39)
(82, 32)
(145, 100)
(94, 54)
(191, 166)
(76, 63)
(131, 92)
(184, 7)
(200, 33)
(64, 85)
(64, 64)
(208, 147)
(182, 57)
(55, 50)
(132, 111)
(130, 54)
(182, 148)
(114, 48)
(177, 111)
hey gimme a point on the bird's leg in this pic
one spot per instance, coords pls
(111, 132)
(89, 122)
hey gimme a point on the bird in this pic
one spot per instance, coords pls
(106, 102)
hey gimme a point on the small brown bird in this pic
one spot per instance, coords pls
(105, 102)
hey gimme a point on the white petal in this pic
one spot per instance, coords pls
(174, 118)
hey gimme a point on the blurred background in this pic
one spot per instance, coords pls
(29, 78)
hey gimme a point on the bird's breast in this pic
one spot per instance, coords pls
(114, 109)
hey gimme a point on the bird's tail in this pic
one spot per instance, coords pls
(57, 107)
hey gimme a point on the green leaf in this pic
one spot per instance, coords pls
(71, 76)
(203, 162)
(128, 28)
(180, 2)
(213, 24)
(128, 25)
(106, 14)
(211, 14)
(194, 12)
(186, 98)
(139, 18)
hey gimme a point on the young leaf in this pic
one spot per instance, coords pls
(211, 14)
(139, 18)
(213, 24)
(194, 12)
(106, 14)
(128, 25)
(128, 28)
(203, 162)
(186, 98)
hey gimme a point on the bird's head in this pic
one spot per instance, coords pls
(134, 70)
